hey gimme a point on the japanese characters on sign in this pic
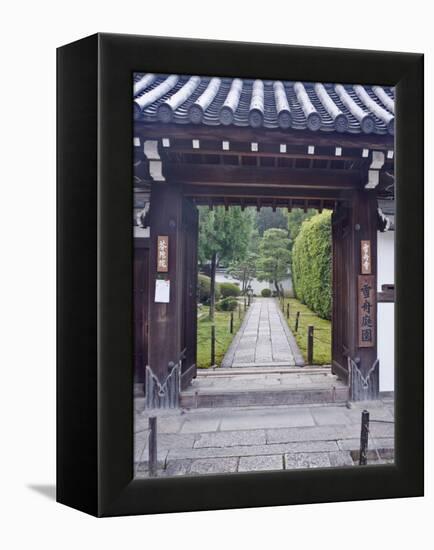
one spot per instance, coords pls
(365, 254)
(162, 254)
(367, 310)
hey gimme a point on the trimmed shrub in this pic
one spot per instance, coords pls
(227, 304)
(265, 292)
(312, 264)
(229, 289)
(204, 289)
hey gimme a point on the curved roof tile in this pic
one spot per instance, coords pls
(271, 104)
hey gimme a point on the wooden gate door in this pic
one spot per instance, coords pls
(141, 301)
(341, 293)
(189, 318)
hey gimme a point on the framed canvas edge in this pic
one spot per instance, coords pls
(118, 493)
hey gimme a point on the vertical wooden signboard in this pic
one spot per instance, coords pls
(162, 254)
(366, 310)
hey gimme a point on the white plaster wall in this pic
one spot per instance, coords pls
(386, 258)
(386, 347)
(386, 311)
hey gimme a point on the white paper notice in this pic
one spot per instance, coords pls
(162, 291)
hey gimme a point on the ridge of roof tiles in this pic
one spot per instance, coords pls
(264, 103)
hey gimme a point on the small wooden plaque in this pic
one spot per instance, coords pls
(365, 257)
(162, 254)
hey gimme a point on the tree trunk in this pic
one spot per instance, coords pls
(244, 283)
(212, 287)
(276, 285)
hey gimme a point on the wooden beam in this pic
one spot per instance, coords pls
(259, 203)
(211, 174)
(261, 153)
(260, 135)
(279, 194)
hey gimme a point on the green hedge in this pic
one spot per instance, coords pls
(229, 289)
(266, 292)
(204, 287)
(312, 264)
(227, 304)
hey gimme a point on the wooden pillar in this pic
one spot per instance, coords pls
(165, 320)
(364, 379)
(353, 225)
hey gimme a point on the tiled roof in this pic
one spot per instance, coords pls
(264, 103)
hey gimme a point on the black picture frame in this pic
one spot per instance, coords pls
(95, 252)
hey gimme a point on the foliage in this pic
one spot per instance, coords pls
(311, 264)
(265, 292)
(322, 333)
(204, 288)
(244, 270)
(224, 236)
(274, 257)
(267, 219)
(294, 219)
(223, 336)
(225, 233)
(227, 304)
(229, 289)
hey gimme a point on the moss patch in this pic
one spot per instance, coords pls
(322, 349)
(223, 335)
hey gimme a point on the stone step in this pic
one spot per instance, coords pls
(263, 397)
(264, 364)
(231, 371)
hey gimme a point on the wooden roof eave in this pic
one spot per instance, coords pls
(236, 133)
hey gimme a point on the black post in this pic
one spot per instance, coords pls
(287, 310)
(152, 446)
(297, 317)
(232, 323)
(310, 345)
(245, 303)
(239, 311)
(364, 434)
(212, 345)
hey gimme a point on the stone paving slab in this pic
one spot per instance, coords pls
(231, 439)
(383, 442)
(177, 467)
(260, 463)
(339, 459)
(144, 464)
(315, 433)
(253, 450)
(140, 442)
(349, 444)
(195, 425)
(332, 416)
(306, 460)
(214, 466)
(214, 441)
(377, 430)
(182, 441)
(294, 417)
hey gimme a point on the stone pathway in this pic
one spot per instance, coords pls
(210, 441)
(263, 339)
